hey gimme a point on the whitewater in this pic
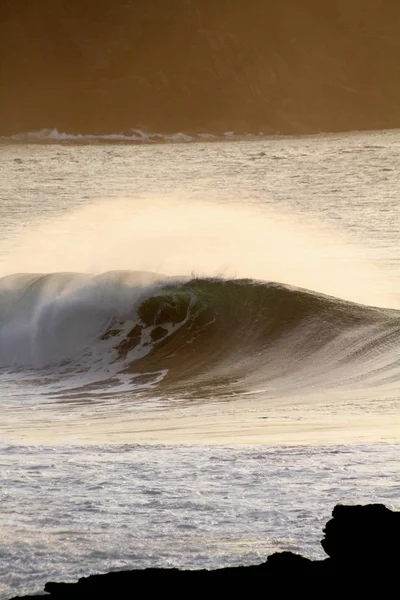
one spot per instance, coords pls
(199, 346)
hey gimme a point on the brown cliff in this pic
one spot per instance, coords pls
(199, 65)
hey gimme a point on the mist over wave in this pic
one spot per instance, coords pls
(177, 236)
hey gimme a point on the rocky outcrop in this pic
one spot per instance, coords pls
(364, 558)
(360, 538)
(104, 66)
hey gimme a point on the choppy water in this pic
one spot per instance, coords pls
(211, 294)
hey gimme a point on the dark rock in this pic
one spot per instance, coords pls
(363, 537)
(363, 549)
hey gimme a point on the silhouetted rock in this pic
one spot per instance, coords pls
(363, 537)
(361, 541)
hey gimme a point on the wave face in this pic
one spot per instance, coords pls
(211, 66)
(142, 329)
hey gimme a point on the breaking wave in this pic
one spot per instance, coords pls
(142, 329)
(133, 136)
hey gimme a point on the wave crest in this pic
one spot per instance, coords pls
(193, 331)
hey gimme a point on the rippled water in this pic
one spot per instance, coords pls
(87, 362)
(123, 507)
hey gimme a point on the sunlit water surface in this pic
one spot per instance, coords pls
(105, 466)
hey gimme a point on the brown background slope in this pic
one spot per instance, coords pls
(289, 66)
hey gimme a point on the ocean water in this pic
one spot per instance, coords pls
(199, 347)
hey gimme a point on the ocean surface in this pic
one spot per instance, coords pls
(199, 346)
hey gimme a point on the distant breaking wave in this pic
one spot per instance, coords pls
(192, 334)
(135, 136)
